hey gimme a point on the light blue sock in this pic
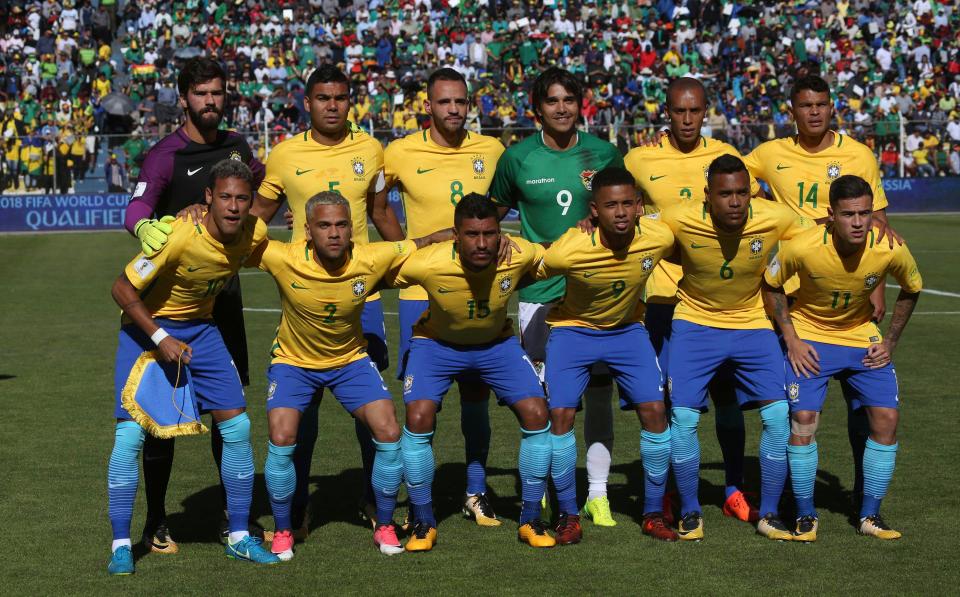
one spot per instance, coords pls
(534, 464)
(386, 477)
(731, 436)
(307, 434)
(685, 456)
(475, 426)
(773, 455)
(563, 470)
(281, 477)
(879, 461)
(236, 469)
(655, 454)
(418, 465)
(123, 474)
(803, 475)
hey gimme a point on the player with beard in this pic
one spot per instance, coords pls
(174, 175)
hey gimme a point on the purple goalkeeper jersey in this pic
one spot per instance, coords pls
(176, 171)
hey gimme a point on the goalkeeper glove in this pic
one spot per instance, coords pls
(153, 233)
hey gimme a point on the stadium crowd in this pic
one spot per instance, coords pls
(80, 77)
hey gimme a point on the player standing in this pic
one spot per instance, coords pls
(799, 170)
(719, 325)
(671, 173)
(174, 175)
(167, 301)
(599, 321)
(547, 178)
(435, 169)
(333, 155)
(323, 282)
(466, 328)
(829, 332)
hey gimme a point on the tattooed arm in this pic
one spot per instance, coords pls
(802, 356)
(879, 355)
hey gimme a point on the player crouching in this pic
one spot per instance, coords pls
(167, 301)
(828, 332)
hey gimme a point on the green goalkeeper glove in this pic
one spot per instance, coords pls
(153, 233)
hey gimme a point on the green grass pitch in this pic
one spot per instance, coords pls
(58, 337)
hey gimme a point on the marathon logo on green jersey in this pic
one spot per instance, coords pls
(541, 180)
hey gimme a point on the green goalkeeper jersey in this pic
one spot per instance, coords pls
(551, 190)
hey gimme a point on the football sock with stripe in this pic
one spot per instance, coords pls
(281, 478)
(157, 464)
(803, 475)
(237, 470)
(307, 434)
(563, 470)
(598, 435)
(773, 455)
(386, 477)
(418, 464)
(732, 437)
(879, 462)
(685, 456)
(475, 426)
(367, 455)
(534, 464)
(655, 454)
(123, 474)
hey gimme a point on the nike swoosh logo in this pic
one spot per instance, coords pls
(245, 475)
(299, 171)
(191, 268)
(444, 290)
(116, 485)
(656, 178)
(781, 167)
(589, 274)
(297, 286)
(192, 172)
(696, 246)
(422, 171)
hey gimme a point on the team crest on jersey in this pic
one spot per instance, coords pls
(479, 166)
(359, 287)
(871, 280)
(756, 246)
(271, 390)
(833, 171)
(646, 263)
(793, 392)
(359, 168)
(407, 384)
(586, 177)
(235, 155)
(506, 284)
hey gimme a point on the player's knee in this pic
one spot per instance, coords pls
(385, 432)
(653, 416)
(803, 427)
(684, 419)
(562, 419)
(532, 413)
(283, 437)
(883, 424)
(420, 416)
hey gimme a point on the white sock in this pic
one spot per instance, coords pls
(120, 543)
(238, 535)
(598, 435)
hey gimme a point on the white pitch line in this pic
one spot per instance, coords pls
(934, 292)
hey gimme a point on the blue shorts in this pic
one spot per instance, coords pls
(409, 313)
(353, 385)
(626, 351)
(862, 386)
(433, 365)
(697, 353)
(215, 378)
(375, 332)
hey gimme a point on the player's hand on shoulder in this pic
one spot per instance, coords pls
(587, 225)
(506, 250)
(193, 213)
(288, 218)
(153, 234)
(885, 230)
(803, 358)
(878, 355)
(878, 301)
(170, 350)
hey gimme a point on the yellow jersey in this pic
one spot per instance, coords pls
(433, 179)
(466, 307)
(722, 271)
(182, 279)
(299, 168)
(801, 180)
(667, 177)
(320, 323)
(833, 302)
(604, 287)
